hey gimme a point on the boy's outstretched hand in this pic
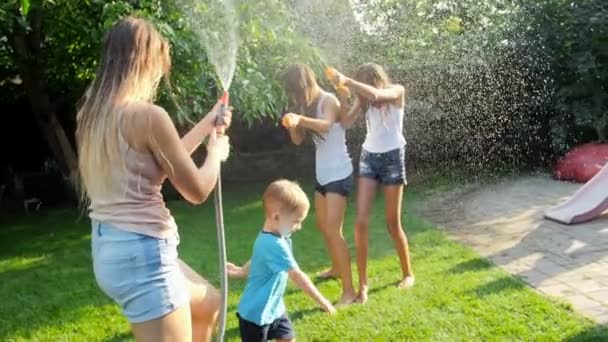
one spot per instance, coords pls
(235, 271)
(329, 308)
(303, 282)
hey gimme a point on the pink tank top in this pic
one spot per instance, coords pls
(140, 208)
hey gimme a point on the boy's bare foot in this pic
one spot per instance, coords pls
(362, 296)
(346, 299)
(406, 283)
(327, 274)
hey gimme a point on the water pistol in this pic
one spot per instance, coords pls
(285, 120)
(330, 73)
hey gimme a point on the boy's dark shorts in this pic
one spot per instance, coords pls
(341, 187)
(386, 168)
(281, 328)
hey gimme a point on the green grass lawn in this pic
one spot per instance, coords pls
(48, 293)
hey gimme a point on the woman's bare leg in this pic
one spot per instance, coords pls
(335, 209)
(169, 328)
(320, 220)
(366, 191)
(393, 199)
(204, 304)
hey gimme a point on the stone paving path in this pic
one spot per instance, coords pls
(504, 222)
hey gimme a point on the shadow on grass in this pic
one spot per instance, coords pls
(62, 244)
(321, 280)
(499, 285)
(382, 288)
(43, 234)
(56, 249)
(595, 333)
(232, 333)
(473, 265)
(127, 336)
(297, 315)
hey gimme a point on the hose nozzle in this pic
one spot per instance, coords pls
(219, 121)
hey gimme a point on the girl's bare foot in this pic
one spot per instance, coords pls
(347, 299)
(327, 274)
(362, 296)
(406, 283)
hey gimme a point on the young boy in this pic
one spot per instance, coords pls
(261, 311)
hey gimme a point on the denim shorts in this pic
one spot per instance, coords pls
(341, 187)
(139, 272)
(386, 168)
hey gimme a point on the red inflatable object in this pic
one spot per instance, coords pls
(581, 163)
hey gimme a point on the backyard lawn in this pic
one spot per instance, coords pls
(48, 293)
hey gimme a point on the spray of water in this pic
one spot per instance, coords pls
(331, 27)
(215, 23)
(476, 97)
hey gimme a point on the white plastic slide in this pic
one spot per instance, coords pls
(587, 203)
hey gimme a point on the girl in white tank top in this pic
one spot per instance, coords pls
(382, 161)
(333, 165)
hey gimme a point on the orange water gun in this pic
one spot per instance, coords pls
(286, 120)
(330, 73)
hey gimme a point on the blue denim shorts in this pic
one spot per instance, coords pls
(341, 187)
(139, 272)
(386, 168)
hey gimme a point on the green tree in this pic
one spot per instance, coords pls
(583, 83)
(49, 50)
(572, 38)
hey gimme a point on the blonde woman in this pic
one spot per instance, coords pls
(127, 148)
(382, 162)
(319, 115)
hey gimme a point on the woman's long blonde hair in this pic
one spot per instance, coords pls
(134, 59)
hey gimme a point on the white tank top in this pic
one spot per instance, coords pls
(384, 129)
(332, 161)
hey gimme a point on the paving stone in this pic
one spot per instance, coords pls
(587, 285)
(599, 295)
(504, 222)
(558, 290)
(581, 302)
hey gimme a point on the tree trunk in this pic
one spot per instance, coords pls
(27, 47)
(601, 135)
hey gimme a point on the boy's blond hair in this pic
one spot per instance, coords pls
(286, 196)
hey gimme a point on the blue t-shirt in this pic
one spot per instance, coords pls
(262, 301)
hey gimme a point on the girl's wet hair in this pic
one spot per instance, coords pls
(373, 74)
(300, 79)
(300, 83)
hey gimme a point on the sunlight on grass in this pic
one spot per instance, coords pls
(22, 263)
(48, 291)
